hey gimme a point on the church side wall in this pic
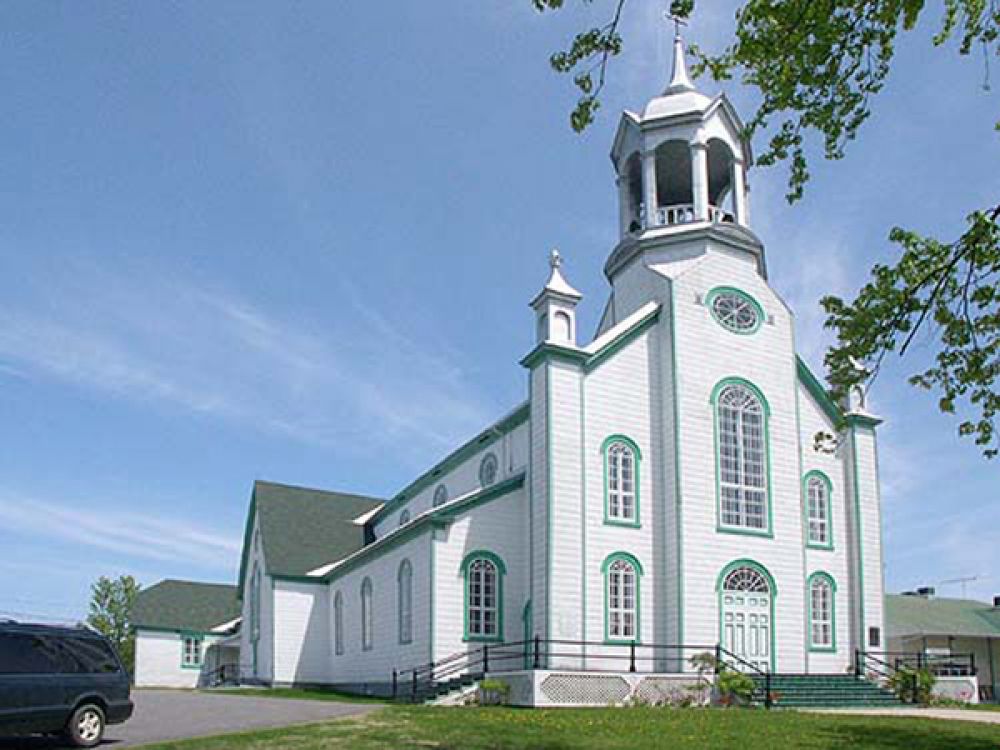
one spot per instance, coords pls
(707, 353)
(264, 670)
(511, 451)
(371, 671)
(301, 633)
(499, 527)
(836, 561)
(537, 502)
(620, 400)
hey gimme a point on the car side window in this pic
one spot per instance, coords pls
(94, 656)
(24, 653)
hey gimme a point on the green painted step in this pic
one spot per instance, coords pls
(826, 691)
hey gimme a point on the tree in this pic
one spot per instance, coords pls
(818, 65)
(111, 602)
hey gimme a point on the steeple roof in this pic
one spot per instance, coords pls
(680, 97)
(557, 284)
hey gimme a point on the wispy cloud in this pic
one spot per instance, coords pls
(137, 535)
(354, 383)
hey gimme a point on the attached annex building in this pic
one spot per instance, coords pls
(660, 485)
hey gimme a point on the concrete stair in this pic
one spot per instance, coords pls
(824, 691)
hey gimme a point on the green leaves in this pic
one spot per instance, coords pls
(111, 604)
(588, 55)
(950, 291)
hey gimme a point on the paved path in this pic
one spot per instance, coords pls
(176, 714)
(960, 714)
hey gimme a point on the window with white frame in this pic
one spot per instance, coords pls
(489, 467)
(404, 581)
(622, 476)
(483, 596)
(821, 612)
(366, 615)
(742, 458)
(818, 510)
(191, 651)
(622, 600)
(440, 495)
(338, 624)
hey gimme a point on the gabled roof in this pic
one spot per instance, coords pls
(918, 615)
(185, 605)
(302, 528)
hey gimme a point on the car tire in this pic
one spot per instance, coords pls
(86, 726)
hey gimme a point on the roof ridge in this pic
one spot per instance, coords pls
(304, 488)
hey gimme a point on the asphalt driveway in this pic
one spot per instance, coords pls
(177, 714)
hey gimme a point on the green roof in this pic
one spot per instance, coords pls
(185, 605)
(302, 529)
(919, 615)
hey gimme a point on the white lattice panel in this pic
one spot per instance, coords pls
(585, 689)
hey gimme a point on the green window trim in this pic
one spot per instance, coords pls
(637, 460)
(404, 596)
(817, 474)
(720, 290)
(746, 562)
(197, 638)
(501, 570)
(720, 527)
(526, 618)
(338, 624)
(637, 567)
(823, 649)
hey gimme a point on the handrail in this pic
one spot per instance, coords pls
(766, 674)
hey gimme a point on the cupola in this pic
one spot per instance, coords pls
(555, 307)
(682, 162)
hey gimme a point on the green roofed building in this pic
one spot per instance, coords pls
(951, 634)
(185, 633)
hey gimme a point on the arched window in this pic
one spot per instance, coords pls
(822, 635)
(621, 481)
(338, 624)
(440, 495)
(483, 596)
(404, 581)
(562, 327)
(366, 615)
(818, 517)
(488, 469)
(621, 597)
(741, 430)
(404, 518)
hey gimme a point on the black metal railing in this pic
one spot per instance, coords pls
(725, 657)
(886, 666)
(423, 680)
(224, 674)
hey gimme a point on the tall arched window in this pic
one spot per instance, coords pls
(741, 430)
(818, 516)
(621, 597)
(621, 481)
(404, 583)
(366, 615)
(483, 573)
(822, 633)
(338, 624)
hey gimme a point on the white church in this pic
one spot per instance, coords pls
(659, 494)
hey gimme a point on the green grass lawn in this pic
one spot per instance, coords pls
(606, 729)
(298, 694)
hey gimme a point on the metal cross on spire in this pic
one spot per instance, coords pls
(678, 21)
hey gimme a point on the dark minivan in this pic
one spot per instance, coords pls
(53, 680)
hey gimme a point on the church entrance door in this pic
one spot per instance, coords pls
(747, 617)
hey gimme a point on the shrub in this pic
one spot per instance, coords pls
(735, 687)
(493, 692)
(913, 685)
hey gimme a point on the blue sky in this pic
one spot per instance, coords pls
(297, 242)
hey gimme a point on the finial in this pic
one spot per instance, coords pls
(555, 259)
(679, 80)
